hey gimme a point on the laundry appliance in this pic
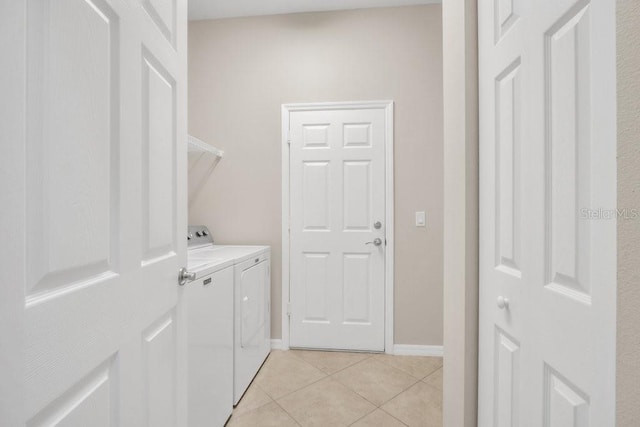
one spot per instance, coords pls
(251, 304)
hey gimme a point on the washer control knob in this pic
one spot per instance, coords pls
(199, 233)
(205, 233)
(502, 302)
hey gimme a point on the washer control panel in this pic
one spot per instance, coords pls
(198, 235)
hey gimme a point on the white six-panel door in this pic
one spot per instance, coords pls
(547, 213)
(337, 194)
(102, 180)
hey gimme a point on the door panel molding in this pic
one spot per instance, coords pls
(358, 136)
(97, 333)
(547, 170)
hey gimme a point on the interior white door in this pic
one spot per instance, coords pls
(98, 164)
(337, 195)
(547, 240)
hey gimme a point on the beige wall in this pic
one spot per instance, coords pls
(242, 70)
(628, 334)
(460, 64)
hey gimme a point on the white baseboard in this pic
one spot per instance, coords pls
(418, 350)
(398, 349)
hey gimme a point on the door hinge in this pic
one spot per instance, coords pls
(288, 309)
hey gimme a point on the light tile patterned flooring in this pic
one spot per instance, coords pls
(332, 389)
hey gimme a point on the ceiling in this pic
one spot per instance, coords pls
(216, 9)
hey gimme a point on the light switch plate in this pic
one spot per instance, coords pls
(421, 219)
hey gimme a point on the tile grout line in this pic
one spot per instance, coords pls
(394, 417)
(376, 409)
(382, 359)
(302, 360)
(287, 412)
(254, 384)
(315, 382)
(388, 400)
(347, 367)
(416, 383)
(398, 394)
(432, 373)
(333, 379)
(271, 400)
(369, 356)
(300, 389)
(373, 403)
(430, 386)
(365, 415)
(349, 389)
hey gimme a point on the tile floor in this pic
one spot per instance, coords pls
(332, 389)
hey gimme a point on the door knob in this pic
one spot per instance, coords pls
(376, 242)
(377, 225)
(184, 276)
(502, 302)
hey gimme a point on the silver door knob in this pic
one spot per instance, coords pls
(502, 302)
(184, 276)
(376, 242)
(377, 225)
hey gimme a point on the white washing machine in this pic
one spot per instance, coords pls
(252, 303)
(210, 324)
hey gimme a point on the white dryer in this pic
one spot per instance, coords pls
(252, 335)
(252, 311)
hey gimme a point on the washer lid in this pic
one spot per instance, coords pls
(239, 253)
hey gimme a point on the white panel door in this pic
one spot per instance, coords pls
(547, 213)
(99, 192)
(337, 194)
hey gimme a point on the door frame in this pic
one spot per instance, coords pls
(387, 106)
(461, 203)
